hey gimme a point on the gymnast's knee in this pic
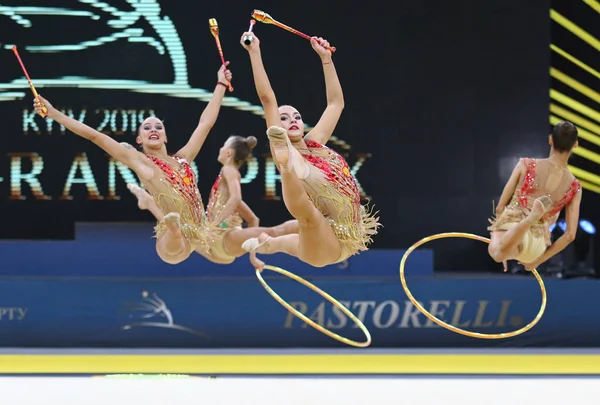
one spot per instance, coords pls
(274, 231)
(286, 228)
(496, 254)
(310, 220)
(172, 258)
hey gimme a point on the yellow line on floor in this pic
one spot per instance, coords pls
(302, 364)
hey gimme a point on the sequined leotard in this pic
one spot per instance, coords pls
(532, 186)
(334, 191)
(175, 190)
(219, 194)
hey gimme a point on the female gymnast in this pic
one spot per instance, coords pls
(170, 179)
(318, 189)
(225, 209)
(533, 197)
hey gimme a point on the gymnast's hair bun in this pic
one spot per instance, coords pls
(251, 142)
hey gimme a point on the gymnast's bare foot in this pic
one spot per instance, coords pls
(144, 199)
(173, 222)
(540, 206)
(278, 139)
(259, 245)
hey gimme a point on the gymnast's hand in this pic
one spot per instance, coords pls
(224, 75)
(320, 46)
(37, 105)
(256, 262)
(254, 45)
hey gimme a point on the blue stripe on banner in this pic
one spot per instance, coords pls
(128, 250)
(240, 313)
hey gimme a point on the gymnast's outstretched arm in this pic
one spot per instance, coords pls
(335, 96)
(126, 155)
(208, 117)
(261, 81)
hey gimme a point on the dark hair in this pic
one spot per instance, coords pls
(564, 136)
(242, 147)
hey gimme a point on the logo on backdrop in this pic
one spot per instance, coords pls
(153, 307)
(123, 26)
(393, 314)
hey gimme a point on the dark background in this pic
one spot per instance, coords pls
(445, 96)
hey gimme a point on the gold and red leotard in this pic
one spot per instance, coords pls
(219, 195)
(333, 189)
(177, 191)
(528, 190)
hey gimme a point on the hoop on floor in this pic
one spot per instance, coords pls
(323, 294)
(454, 328)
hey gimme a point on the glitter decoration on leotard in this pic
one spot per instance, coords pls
(219, 194)
(334, 191)
(183, 197)
(522, 201)
(216, 232)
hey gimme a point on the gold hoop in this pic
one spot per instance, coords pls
(454, 328)
(322, 294)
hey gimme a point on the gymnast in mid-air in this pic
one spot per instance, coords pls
(532, 200)
(318, 188)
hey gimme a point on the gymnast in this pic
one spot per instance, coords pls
(318, 188)
(169, 179)
(532, 200)
(225, 211)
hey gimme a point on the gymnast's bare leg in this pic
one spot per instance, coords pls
(172, 247)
